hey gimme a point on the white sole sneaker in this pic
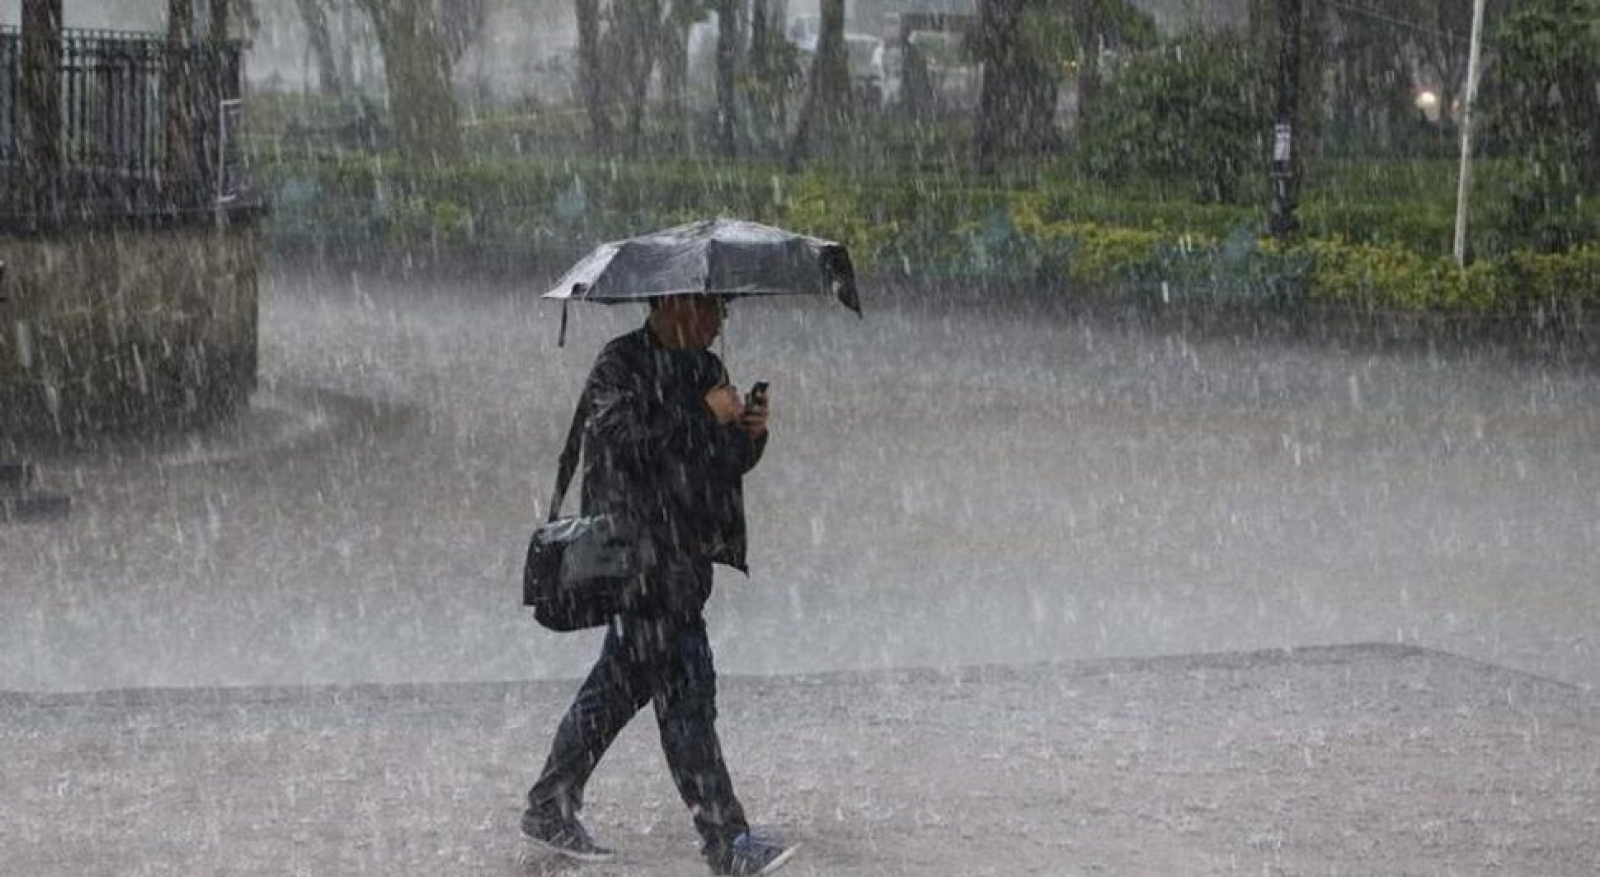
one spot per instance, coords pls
(782, 859)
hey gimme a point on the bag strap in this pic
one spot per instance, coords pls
(569, 457)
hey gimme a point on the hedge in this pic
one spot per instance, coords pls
(1083, 239)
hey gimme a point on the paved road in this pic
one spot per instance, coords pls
(1356, 760)
(949, 484)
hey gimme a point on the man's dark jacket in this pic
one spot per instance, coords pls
(656, 455)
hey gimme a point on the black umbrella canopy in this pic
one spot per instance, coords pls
(730, 257)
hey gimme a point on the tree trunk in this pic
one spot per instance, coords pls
(591, 76)
(1038, 83)
(1091, 30)
(220, 20)
(1314, 26)
(1262, 17)
(39, 124)
(1016, 103)
(179, 94)
(674, 56)
(329, 80)
(214, 83)
(999, 24)
(767, 98)
(460, 24)
(760, 41)
(1581, 107)
(422, 105)
(727, 61)
(637, 21)
(829, 106)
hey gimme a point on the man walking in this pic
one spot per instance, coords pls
(667, 443)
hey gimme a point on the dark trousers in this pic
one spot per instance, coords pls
(665, 661)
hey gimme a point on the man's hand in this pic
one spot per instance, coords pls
(725, 404)
(754, 421)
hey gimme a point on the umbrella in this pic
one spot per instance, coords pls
(726, 257)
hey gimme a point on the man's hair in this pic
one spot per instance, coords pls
(657, 300)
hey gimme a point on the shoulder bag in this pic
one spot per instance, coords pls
(582, 570)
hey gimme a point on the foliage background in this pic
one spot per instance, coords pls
(1155, 193)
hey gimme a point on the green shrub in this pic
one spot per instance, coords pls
(818, 205)
(1541, 106)
(1393, 278)
(1078, 237)
(1189, 114)
(1569, 280)
(1107, 261)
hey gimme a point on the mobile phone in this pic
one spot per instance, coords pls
(759, 388)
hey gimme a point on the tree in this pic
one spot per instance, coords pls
(591, 74)
(1104, 24)
(1549, 65)
(828, 108)
(1026, 46)
(762, 35)
(178, 96)
(621, 43)
(1546, 111)
(460, 24)
(1191, 115)
(1373, 90)
(1442, 39)
(39, 123)
(315, 19)
(1016, 101)
(638, 23)
(417, 66)
(727, 67)
(771, 71)
(672, 52)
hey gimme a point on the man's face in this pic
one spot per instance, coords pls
(697, 319)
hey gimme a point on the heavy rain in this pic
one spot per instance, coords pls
(1208, 484)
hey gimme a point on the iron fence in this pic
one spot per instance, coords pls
(147, 127)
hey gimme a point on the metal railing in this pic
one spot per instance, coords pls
(118, 151)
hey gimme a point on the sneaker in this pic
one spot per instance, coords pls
(749, 856)
(563, 835)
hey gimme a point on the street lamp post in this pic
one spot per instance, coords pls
(1464, 187)
(1281, 220)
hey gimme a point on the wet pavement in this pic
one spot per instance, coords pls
(950, 483)
(1014, 573)
(1350, 760)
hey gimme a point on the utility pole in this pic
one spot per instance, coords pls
(1464, 187)
(1281, 221)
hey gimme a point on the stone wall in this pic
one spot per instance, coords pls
(125, 330)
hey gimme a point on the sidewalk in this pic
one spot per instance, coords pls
(1342, 760)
